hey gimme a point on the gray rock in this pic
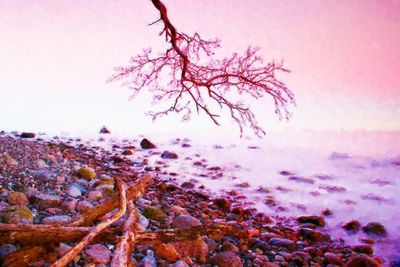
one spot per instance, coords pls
(98, 253)
(185, 222)
(74, 190)
(57, 220)
(6, 249)
(282, 242)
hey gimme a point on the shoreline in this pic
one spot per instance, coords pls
(53, 169)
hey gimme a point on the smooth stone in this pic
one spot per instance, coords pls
(98, 253)
(45, 201)
(282, 242)
(27, 135)
(6, 249)
(332, 258)
(362, 261)
(57, 220)
(17, 214)
(185, 222)
(352, 225)
(74, 191)
(226, 259)
(197, 249)
(146, 144)
(169, 155)
(314, 219)
(375, 228)
(364, 249)
(17, 199)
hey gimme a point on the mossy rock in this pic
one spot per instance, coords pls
(154, 213)
(17, 198)
(17, 214)
(87, 173)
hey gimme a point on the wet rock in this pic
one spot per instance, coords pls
(62, 249)
(98, 253)
(146, 144)
(375, 228)
(69, 204)
(27, 135)
(104, 130)
(226, 259)
(282, 242)
(87, 173)
(185, 222)
(74, 190)
(169, 155)
(332, 258)
(229, 246)
(45, 201)
(222, 203)
(167, 252)
(362, 261)
(364, 249)
(243, 185)
(299, 179)
(154, 213)
(17, 199)
(313, 235)
(197, 249)
(352, 225)
(327, 212)
(127, 152)
(333, 188)
(187, 185)
(313, 219)
(149, 260)
(17, 214)
(6, 249)
(57, 220)
(286, 173)
(179, 263)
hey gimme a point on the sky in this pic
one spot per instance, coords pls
(55, 58)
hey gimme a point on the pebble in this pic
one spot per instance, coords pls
(332, 258)
(95, 195)
(282, 242)
(169, 155)
(222, 203)
(17, 198)
(84, 205)
(74, 190)
(167, 252)
(27, 135)
(313, 219)
(6, 249)
(226, 259)
(197, 249)
(57, 220)
(362, 261)
(364, 249)
(352, 225)
(146, 144)
(98, 253)
(87, 173)
(375, 228)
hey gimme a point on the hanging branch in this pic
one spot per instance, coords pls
(193, 84)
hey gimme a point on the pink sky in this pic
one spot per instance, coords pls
(56, 55)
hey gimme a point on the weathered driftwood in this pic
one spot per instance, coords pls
(24, 256)
(70, 255)
(133, 191)
(127, 241)
(31, 253)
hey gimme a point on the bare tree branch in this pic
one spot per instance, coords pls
(196, 85)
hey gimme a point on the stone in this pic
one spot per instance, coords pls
(45, 201)
(313, 219)
(74, 190)
(179, 263)
(87, 173)
(222, 203)
(17, 199)
(229, 246)
(375, 228)
(27, 135)
(185, 222)
(299, 179)
(352, 225)
(169, 155)
(98, 253)
(282, 242)
(332, 258)
(313, 235)
(127, 152)
(364, 249)
(62, 249)
(187, 185)
(104, 130)
(226, 259)
(57, 220)
(197, 249)
(362, 261)
(6, 249)
(146, 144)
(167, 252)
(154, 213)
(69, 204)
(17, 214)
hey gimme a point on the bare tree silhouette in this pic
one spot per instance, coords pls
(195, 84)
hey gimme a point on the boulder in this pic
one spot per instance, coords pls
(146, 144)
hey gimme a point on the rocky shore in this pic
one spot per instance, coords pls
(52, 182)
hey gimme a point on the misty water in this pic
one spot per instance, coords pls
(354, 174)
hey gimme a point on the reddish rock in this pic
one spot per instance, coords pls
(197, 249)
(185, 222)
(146, 144)
(314, 219)
(45, 201)
(362, 261)
(98, 253)
(375, 228)
(167, 252)
(17, 198)
(226, 259)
